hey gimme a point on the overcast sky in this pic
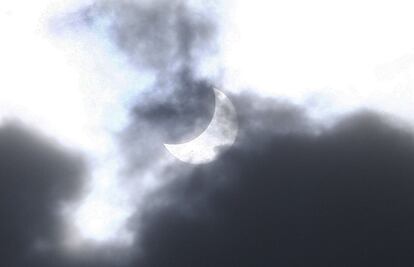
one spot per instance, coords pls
(320, 173)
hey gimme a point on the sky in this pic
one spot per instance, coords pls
(319, 174)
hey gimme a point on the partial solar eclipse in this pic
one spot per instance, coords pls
(220, 134)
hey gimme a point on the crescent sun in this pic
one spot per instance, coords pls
(220, 134)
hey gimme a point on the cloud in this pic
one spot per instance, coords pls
(38, 178)
(290, 192)
(288, 195)
(169, 41)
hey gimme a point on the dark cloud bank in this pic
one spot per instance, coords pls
(36, 177)
(342, 198)
(288, 193)
(282, 196)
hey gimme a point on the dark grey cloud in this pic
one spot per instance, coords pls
(167, 40)
(167, 36)
(38, 177)
(286, 195)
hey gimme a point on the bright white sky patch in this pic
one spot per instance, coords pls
(324, 53)
(102, 215)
